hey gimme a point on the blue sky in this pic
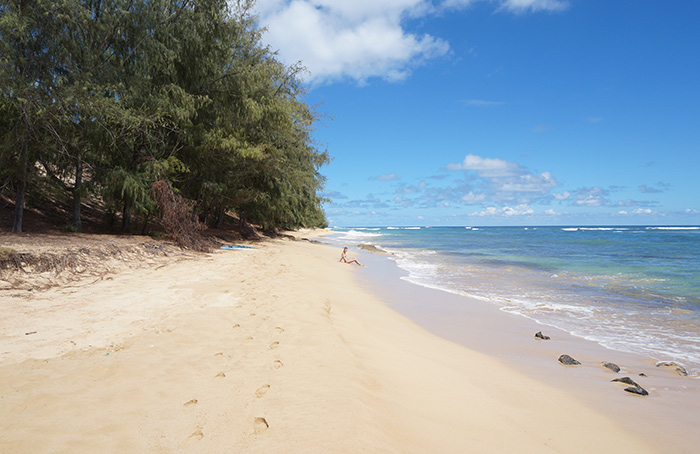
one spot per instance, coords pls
(501, 112)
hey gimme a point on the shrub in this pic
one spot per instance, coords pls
(177, 218)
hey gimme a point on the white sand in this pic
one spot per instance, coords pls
(271, 350)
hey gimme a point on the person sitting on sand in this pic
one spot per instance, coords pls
(344, 259)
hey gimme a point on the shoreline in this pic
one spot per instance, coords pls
(668, 416)
(273, 348)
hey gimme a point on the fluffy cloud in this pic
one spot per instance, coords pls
(638, 212)
(356, 40)
(361, 39)
(504, 180)
(472, 198)
(519, 210)
(486, 167)
(564, 195)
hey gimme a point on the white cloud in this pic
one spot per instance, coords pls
(361, 39)
(385, 177)
(471, 198)
(530, 183)
(486, 167)
(503, 180)
(519, 210)
(592, 197)
(642, 211)
(522, 6)
(561, 195)
(356, 40)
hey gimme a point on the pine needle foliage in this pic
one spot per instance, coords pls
(101, 99)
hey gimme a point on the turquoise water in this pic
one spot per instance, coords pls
(634, 289)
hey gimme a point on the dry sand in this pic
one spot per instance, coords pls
(275, 349)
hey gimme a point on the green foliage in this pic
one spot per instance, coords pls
(102, 98)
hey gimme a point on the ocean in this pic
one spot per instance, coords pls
(630, 288)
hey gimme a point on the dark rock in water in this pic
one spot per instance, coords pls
(612, 366)
(637, 390)
(626, 380)
(568, 360)
(680, 370)
(539, 335)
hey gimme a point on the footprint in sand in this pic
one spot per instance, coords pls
(262, 390)
(260, 425)
(279, 329)
(237, 325)
(277, 364)
(197, 435)
(274, 345)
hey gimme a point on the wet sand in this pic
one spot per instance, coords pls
(668, 416)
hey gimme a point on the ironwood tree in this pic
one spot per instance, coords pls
(102, 98)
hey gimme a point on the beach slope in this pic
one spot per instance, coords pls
(272, 349)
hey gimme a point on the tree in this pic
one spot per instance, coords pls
(29, 52)
(251, 151)
(106, 97)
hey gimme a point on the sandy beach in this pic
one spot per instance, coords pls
(278, 348)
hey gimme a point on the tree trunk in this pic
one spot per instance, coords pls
(77, 221)
(19, 207)
(220, 221)
(126, 217)
(21, 190)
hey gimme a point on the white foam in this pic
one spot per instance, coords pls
(594, 229)
(673, 228)
(354, 234)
